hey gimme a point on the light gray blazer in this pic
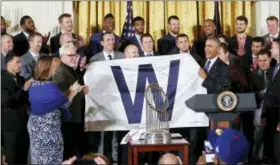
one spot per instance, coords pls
(100, 56)
(28, 65)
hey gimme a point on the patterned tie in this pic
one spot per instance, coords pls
(255, 62)
(207, 66)
(36, 57)
(110, 57)
(276, 69)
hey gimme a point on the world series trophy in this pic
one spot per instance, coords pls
(157, 116)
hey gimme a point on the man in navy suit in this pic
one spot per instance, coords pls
(21, 45)
(108, 26)
(216, 72)
(168, 42)
(138, 25)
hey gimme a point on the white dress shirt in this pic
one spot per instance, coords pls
(138, 37)
(35, 55)
(106, 55)
(146, 53)
(213, 60)
(26, 34)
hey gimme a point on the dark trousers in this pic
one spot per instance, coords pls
(269, 143)
(247, 127)
(259, 134)
(277, 147)
(75, 142)
(16, 145)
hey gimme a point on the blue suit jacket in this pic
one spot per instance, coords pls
(95, 45)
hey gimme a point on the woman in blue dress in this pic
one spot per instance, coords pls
(48, 104)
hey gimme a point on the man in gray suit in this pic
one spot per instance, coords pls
(30, 58)
(273, 33)
(7, 46)
(108, 143)
(108, 53)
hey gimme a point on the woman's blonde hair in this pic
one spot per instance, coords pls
(55, 64)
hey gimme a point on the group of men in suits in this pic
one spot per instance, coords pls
(236, 60)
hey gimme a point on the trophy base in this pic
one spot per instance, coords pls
(158, 138)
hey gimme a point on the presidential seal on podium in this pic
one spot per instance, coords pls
(227, 101)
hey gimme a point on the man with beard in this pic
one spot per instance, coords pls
(21, 45)
(95, 45)
(3, 26)
(240, 44)
(209, 29)
(168, 42)
(138, 25)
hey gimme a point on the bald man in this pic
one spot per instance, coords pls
(169, 159)
(131, 51)
(7, 46)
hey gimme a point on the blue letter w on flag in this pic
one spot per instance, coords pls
(145, 72)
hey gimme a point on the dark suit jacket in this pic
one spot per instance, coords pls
(247, 60)
(237, 78)
(268, 36)
(21, 45)
(132, 40)
(95, 45)
(64, 78)
(13, 102)
(55, 45)
(3, 64)
(198, 48)
(235, 59)
(272, 100)
(217, 78)
(197, 58)
(166, 44)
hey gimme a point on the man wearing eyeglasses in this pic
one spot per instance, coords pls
(65, 76)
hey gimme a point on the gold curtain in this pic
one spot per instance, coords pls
(89, 15)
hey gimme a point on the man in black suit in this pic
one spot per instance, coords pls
(272, 107)
(168, 42)
(183, 47)
(209, 29)
(138, 24)
(147, 43)
(7, 46)
(72, 129)
(216, 72)
(21, 45)
(240, 44)
(66, 25)
(273, 33)
(3, 26)
(14, 98)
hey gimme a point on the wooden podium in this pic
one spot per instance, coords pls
(207, 103)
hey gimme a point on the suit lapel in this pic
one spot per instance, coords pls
(214, 67)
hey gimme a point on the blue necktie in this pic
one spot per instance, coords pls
(276, 69)
(207, 66)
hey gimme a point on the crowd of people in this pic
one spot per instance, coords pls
(43, 93)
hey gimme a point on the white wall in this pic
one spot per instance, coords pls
(265, 9)
(44, 13)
